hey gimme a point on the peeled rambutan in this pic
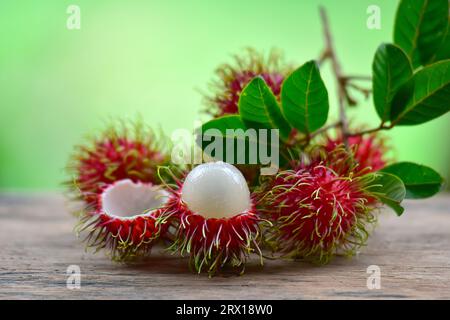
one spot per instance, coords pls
(232, 78)
(316, 213)
(214, 218)
(124, 221)
(369, 151)
(120, 152)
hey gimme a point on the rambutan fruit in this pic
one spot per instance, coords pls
(232, 78)
(124, 221)
(120, 152)
(316, 212)
(369, 151)
(214, 218)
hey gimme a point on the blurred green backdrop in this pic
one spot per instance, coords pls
(149, 57)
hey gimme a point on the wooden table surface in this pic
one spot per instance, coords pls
(37, 246)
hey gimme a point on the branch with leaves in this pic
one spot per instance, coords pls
(410, 86)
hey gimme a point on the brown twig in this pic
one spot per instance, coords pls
(380, 127)
(325, 128)
(343, 82)
(358, 77)
(365, 91)
(317, 132)
(330, 54)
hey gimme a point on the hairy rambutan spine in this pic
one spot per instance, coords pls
(369, 151)
(317, 212)
(232, 78)
(122, 151)
(125, 234)
(124, 240)
(211, 243)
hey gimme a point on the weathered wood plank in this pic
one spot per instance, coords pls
(38, 245)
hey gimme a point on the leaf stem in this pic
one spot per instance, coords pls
(325, 128)
(358, 77)
(382, 126)
(309, 137)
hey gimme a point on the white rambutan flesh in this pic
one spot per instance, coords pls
(216, 190)
(126, 199)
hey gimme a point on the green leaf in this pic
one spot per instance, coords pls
(258, 108)
(420, 181)
(236, 141)
(420, 28)
(389, 189)
(304, 98)
(424, 97)
(391, 68)
(216, 129)
(224, 123)
(443, 52)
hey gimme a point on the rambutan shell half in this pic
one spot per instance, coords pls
(124, 221)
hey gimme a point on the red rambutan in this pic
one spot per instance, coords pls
(124, 221)
(369, 151)
(316, 212)
(214, 218)
(233, 78)
(120, 152)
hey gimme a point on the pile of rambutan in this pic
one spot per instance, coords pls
(322, 202)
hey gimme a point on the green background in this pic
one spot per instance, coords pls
(152, 58)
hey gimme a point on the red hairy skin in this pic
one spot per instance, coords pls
(121, 151)
(124, 235)
(124, 238)
(212, 243)
(316, 213)
(228, 104)
(232, 78)
(369, 151)
(118, 153)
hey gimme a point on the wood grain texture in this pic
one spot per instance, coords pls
(38, 245)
